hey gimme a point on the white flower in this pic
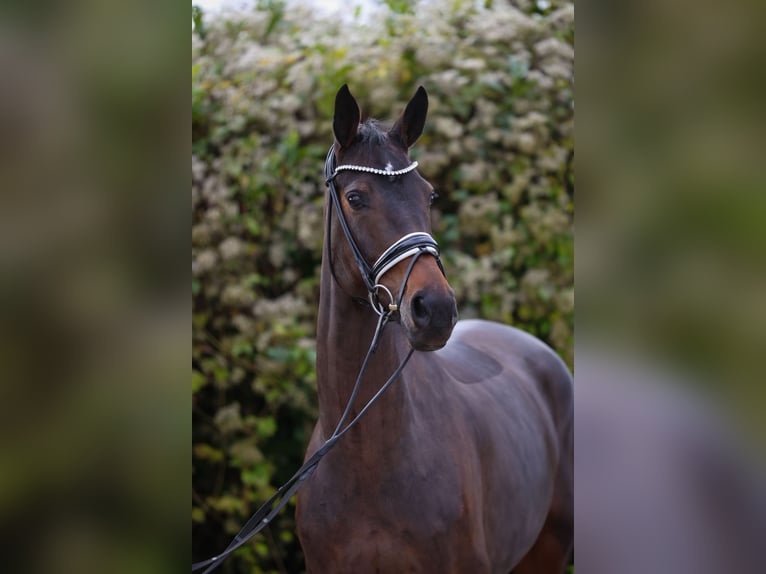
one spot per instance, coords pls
(553, 47)
(237, 296)
(231, 248)
(449, 127)
(557, 69)
(470, 64)
(204, 262)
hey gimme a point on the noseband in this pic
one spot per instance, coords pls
(411, 245)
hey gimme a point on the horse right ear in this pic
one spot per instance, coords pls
(345, 124)
(409, 126)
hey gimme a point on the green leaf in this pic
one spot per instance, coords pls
(198, 381)
(266, 427)
(242, 348)
(258, 475)
(206, 452)
(227, 504)
(280, 354)
(198, 515)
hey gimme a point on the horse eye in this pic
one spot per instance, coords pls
(355, 199)
(433, 197)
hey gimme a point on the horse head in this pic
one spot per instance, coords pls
(385, 213)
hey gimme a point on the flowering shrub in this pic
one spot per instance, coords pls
(498, 148)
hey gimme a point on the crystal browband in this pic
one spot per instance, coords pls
(376, 171)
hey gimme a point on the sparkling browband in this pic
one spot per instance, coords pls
(375, 170)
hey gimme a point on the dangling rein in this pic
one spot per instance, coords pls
(269, 510)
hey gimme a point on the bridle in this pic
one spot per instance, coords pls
(411, 245)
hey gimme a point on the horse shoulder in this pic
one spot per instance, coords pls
(513, 396)
(484, 351)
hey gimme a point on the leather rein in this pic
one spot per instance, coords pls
(411, 245)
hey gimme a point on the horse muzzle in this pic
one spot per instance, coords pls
(428, 317)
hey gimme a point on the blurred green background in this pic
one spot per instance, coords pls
(498, 148)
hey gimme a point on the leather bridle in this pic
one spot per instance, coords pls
(411, 245)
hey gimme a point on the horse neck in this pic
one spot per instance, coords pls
(346, 329)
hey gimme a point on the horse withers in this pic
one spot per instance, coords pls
(464, 465)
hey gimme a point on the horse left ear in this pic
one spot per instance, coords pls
(345, 123)
(409, 126)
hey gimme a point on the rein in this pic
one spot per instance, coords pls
(284, 493)
(411, 245)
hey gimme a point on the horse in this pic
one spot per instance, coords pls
(465, 464)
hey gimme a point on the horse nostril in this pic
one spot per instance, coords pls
(420, 311)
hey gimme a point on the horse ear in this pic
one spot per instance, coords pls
(345, 124)
(410, 124)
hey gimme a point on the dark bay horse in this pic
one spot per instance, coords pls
(465, 464)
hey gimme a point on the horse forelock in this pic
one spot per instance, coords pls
(373, 147)
(373, 132)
